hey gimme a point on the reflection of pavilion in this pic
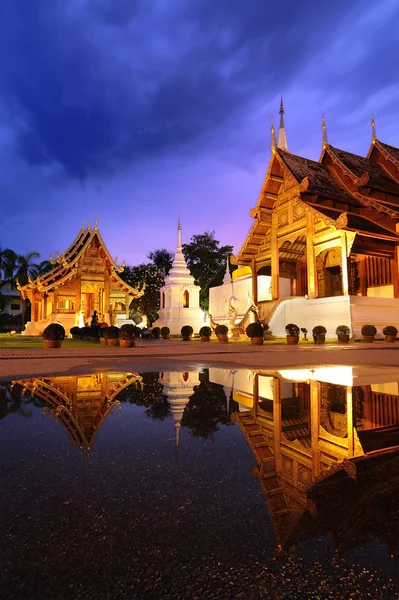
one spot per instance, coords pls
(178, 387)
(81, 403)
(326, 442)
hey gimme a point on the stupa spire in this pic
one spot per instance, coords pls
(282, 137)
(178, 234)
(324, 128)
(227, 276)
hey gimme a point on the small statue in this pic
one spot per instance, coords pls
(94, 319)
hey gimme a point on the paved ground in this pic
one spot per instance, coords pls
(155, 355)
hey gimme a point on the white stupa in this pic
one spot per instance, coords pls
(179, 302)
(178, 387)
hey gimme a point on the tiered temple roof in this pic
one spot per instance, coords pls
(345, 190)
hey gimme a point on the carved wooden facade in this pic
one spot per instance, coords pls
(83, 279)
(328, 226)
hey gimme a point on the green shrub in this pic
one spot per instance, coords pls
(75, 331)
(369, 330)
(342, 330)
(205, 331)
(254, 330)
(54, 331)
(187, 331)
(221, 329)
(127, 332)
(156, 333)
(390, 330)
(319, 330)
(292, 330)
(111, 332)
(165, 331)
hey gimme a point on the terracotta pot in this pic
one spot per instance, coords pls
(52, 343)
(390, 338)
(368, 338)
(95, 339)
(205, 338)
(103, 341)
(223, 338)
(292, 339)
(113, 342)
(319, 339)
(76, 337)
(187, 338)
(343, 338)
(166, 337)
(126, 343)
(257, 341)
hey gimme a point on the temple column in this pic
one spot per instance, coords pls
(254, 282)
(349, 418)
(107, 292)
(33, 315)
(127, 304)
(275, 259)
(255, 388)
(395, 273)
(315, 426)
(311, 257)
(78, 288)
(277, 421)
(55, 295)
(44, 305)
(344, 264)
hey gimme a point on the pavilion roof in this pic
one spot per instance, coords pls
(65, 266)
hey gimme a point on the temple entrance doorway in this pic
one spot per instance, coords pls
(329, 273)
(88, 307)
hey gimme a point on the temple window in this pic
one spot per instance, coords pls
(120, 306)
(65, 304)
(186, 299)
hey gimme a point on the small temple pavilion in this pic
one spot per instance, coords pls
(83, 279)
(179, 297)
(323, 245)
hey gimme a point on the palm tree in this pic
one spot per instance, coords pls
(44, 267)
(26, 268)
(7, 263)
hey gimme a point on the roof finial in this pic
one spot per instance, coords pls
(282, 138)
(324, 128)
(373, 132)
(178, 234)
(273, 134)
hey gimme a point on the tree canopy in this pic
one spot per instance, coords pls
(207, 262)
(162, 259)
(153, 278)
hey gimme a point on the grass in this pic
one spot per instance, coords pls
(17, 342)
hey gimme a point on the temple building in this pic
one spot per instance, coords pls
(83, 279)
(326, 444)
(323, 245)
(179, 297)
(81, 403)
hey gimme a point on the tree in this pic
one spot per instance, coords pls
(150, 395)
(207, 263)
(7, 263)
(163, 259)
(206, 410)
(25, 267)
(153, 278)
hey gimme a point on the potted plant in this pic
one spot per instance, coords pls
(343, 332)
(95, 333)
(292, 332)
(111, 334)
(187, 333)
(205, 333)
(156, 333)
(101, 336)
(319, 334)
(75, 333)
(126, 336)
(255, 332)
(165, 332)
(137, 331)
(53, 335)
(85, 333)
(221, 332)
(368, 333)
(390, 333)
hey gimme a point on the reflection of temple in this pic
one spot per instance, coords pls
(83, 279)
(81, 403)
(325, 441)
(178, 387)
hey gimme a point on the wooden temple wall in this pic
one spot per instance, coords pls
(378, 271)
(384, 409)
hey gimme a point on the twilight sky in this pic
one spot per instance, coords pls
(136, 111)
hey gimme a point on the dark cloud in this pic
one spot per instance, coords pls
(92, 99)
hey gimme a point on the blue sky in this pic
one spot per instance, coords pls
(138, 111)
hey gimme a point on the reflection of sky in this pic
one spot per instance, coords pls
(137, 112)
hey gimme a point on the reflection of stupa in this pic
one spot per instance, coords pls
(326, 443)
(178, 387)
(81, 403)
